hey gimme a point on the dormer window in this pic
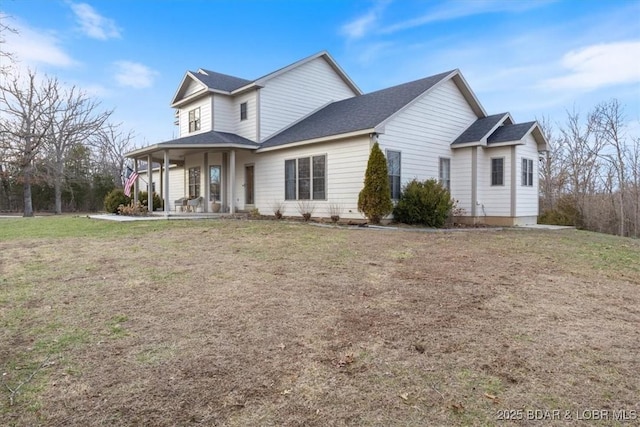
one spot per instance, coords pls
(243, 111)
(194, 120)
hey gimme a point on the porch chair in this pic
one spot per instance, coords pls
(182, 201)
(194, 203)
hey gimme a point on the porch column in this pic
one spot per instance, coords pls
(167, 204)
(149, 183)
(205, 174)
(135, 183)
(232, 181)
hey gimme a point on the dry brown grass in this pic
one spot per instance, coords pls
(266, 323)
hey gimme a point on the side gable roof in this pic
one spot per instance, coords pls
(219, 81)
(231, 85)
(363, 112)
(481, 129)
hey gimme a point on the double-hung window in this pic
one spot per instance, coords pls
(243, 111)
(527, 172)
(444, 171)
(497, 171)
(305, 178)
(194, 120)
(393, 166)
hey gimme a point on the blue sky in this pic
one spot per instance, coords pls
(531, 58)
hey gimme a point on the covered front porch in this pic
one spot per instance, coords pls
(199, 173)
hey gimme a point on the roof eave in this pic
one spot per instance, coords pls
(327, 138)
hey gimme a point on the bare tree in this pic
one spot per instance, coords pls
(582, 160)
(110, 145)
(26, 106)
(553, 175)
(607, 123)
(76, 119)
(6, 57)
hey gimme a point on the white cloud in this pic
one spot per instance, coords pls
(36, 47)
(133, 74)
(359, 27)
(597, 66)
(450, 10)
(93, 24)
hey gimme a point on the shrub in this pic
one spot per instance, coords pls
(374, 201)
(278, 209)
(133, 209)
(114, 199)
(143, 198)
(427, 203)
(566, 212)
(306, 208)
(335, 210)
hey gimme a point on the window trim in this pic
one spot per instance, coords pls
(195, 120)
(294, 181)
(244, 111)
(526, 175)
(399, 175)
(491, 174)
(440, 170)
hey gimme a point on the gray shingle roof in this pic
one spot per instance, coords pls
(510, 133)
(479, 129)
(218, 81)
(212, 138)
(353, 114)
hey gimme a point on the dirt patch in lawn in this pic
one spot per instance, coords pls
(264, 323)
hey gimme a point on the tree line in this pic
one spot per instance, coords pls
(58, 148)
(590, 177)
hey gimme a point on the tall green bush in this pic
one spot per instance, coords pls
(426, 203)
(143, 198)
(114, 199)
(374, 201)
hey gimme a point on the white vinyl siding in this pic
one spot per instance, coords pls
(345, 165)
(292, 95)
(493, 200)
(205, 116)
(223, 118)
(246, 128)
(462, 182)
(423, 133)
(176, 183)
(527, 197)
(192, 87)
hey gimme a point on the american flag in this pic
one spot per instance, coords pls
(129, 184)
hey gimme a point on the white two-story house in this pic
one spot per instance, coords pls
(303, 134)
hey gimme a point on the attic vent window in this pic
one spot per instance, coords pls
(243, 111)
(194, 120)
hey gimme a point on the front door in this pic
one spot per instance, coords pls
(248, 185)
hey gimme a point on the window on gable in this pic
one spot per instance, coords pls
(497, 171)
(445, 172)
(305, 178)
(527, 172)
(194, 182)
(393, 166)
(243, 111)
(194, 120)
